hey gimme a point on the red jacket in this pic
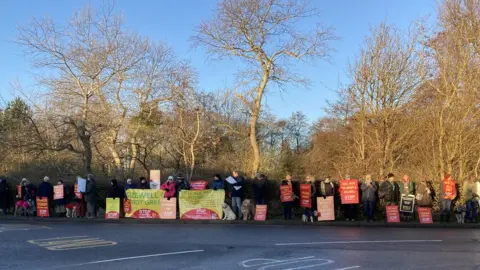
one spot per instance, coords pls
(169, 188)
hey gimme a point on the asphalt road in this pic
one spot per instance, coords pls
(147, 246)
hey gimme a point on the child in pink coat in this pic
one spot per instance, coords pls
(169, 188)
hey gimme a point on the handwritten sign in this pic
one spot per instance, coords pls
(155, 176)
(42, 207)
(305, 196)
(325, 208)
(199, 185)
(260, 212)
(449, 189)
(286, 193)
(58, 192)
(425, 215)
(77, 193)
(349, 191)
(168, 208)
(393, 216)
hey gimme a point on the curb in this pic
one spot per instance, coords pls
(277, 222)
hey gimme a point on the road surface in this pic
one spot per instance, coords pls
(207, 246)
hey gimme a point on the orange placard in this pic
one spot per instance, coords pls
(168, 208)
(305, 195)
(392, 213)
(127, 206)
(260, 212)
(425, 215)
(19, 191)
(42, 207)
(77, 194)
(349, 191)
(449, 189)
(286, 193)
(58, 192)
(325, 208)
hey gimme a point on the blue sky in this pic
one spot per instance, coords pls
(174, 21)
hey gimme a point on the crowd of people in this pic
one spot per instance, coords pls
(372, 195)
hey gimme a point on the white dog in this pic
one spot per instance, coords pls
(228, 214)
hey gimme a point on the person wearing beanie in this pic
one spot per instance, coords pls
(218, 182)
(389, 192)
(169, 188)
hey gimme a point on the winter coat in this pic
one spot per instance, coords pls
(114, 191)
(91, 191)
(389, 192)
(468, 191)
(3, 193)
(407, 185)
(45, 190)
(144, 185)
(218, 184)
(259, 188)
(240, 182)
(28, 192)
(424, 195)
(327, 189)
(369, 192)
(476, 190)
(169, 188)
(181, 184)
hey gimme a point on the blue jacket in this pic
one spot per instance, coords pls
(127, 187)
(218, 184)
(45, 189)
(239, 192)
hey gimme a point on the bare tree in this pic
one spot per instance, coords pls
(263, 34)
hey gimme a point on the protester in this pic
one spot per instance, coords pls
(60, 204)
(350, 211)
(424, 194)
(287, 206)
(45, 190)
(181, 184)
(144, 184)
(369, 198)
(26, 200)
(389, 192)
(129, 185)
(327, 188)
(114, 191)
(308, 212)
(237, 194)
(470, 202)
(259, 188)
(169, 188)
(407, 188)
(448, 192)
(218, 182)
(3, 196)
(476, 198)
(90, 196)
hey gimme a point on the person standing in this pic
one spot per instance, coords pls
(287, 205)
(90, 196)
(369, 198)
(129, 185)
(60, 204)
(424, 194)
(169, 188)
(144, 183)
(308, 211)
(45, 190)
(3, 196)
(470, 202)
(407, 190)
(476, 199)
(237, 193)
(218, 182)
(389, 192)
(114, 191)
(448, 192)
(259, 188)
(327, 188)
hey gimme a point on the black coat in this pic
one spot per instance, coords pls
(45, 189)
(115, 192)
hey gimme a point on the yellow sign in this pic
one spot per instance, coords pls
(201, 204)
(145, 203)
(112, 210)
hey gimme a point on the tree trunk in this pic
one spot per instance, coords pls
(254, 143)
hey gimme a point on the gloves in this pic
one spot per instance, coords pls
(214, 188)
(167, 190)
(168, 199)
(324, 197)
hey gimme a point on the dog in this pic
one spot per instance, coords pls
(23, 208)
(247, 209)
(228, 214)
(460, 212)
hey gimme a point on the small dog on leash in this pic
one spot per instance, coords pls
(460, 212)
(247, 209)
(228, 214)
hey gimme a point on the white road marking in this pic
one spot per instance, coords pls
(358, 242)
(346, 268)
(72, 242)
(325, 262)
(129, 258)
(270, 261)
(20, 227)
(57, 238)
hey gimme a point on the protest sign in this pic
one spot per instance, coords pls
(112, 209)
(392, 213)
(144, 203)
(168, 208)
(127, 206)
(82, 184)
(260, 212)
(425, 215)
(325, 208)
(58, 192)
(19, 191)
(305, 195)
(286, 193)
(407, 203)
(42, 207)
(449, 189)
(155, 176)
(231, 180)
(349, 191)
(201, 204)
(77, 193)
(198, 185)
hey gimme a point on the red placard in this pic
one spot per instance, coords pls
(19, 191)
(127, 206)
(449, 189)
(286, 193)
(77, 194)
(198, 185)
(168, 208)
(425, 215)
(392, 213)
(305, 195)
(261, 212)
(349, 191)
(325, 208)
(42, 207)
(58, 192)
